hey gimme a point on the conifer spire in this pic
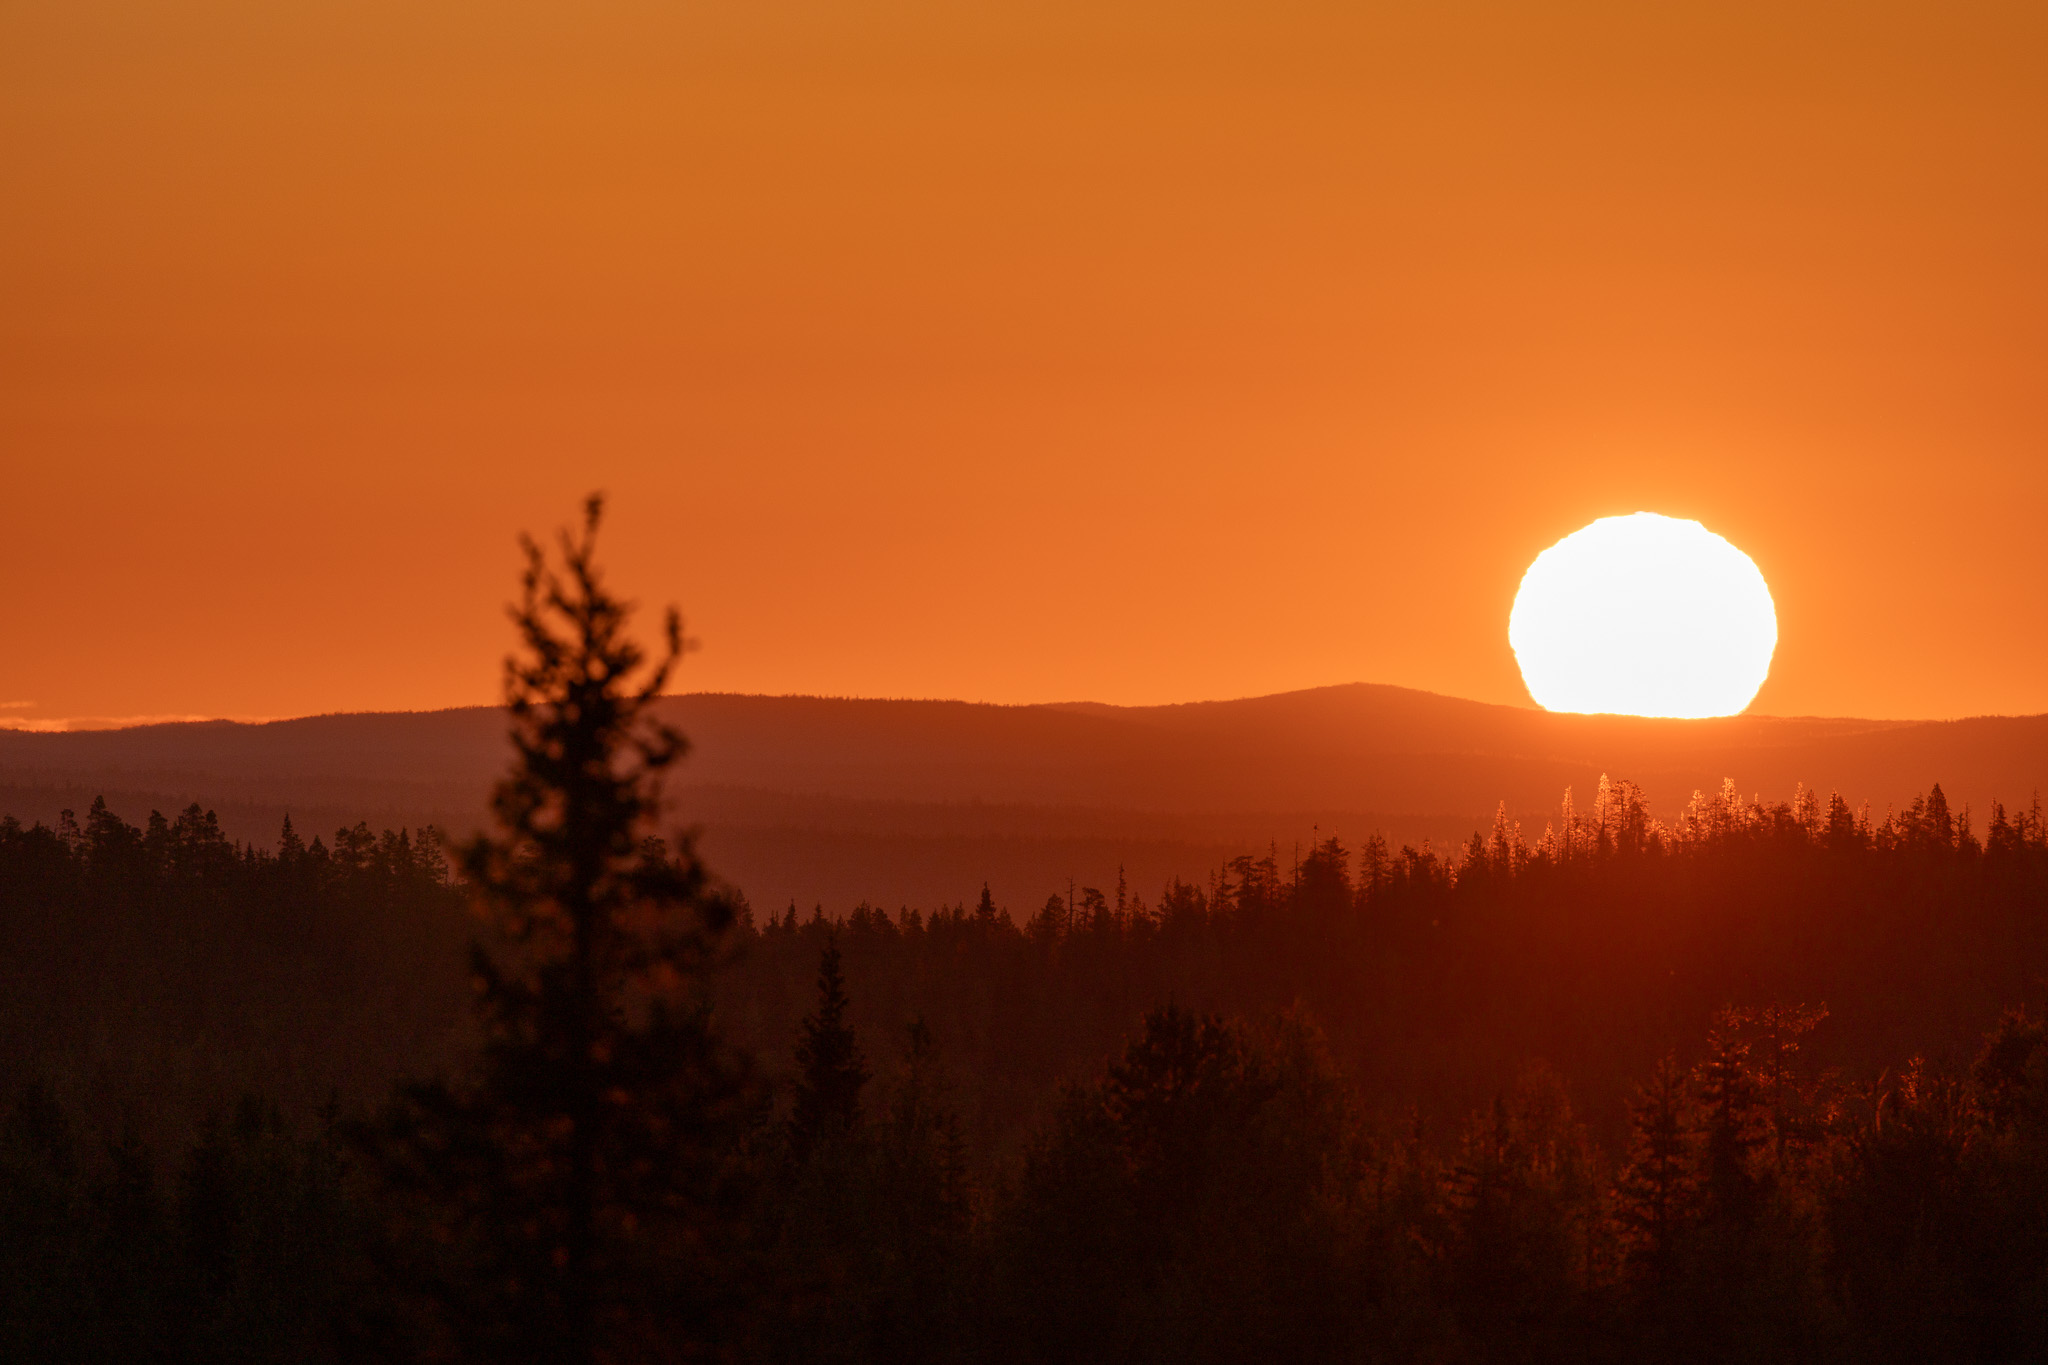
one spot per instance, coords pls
(832, 1069)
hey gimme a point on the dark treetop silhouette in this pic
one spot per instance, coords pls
(584, 1174)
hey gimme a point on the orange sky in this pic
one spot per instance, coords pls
(1010, 351)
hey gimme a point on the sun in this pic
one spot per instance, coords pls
(1644, 616)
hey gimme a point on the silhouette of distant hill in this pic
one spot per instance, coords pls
(836, 800)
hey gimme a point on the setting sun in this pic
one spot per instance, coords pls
(1644, 615)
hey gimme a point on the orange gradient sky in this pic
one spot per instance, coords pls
(1010, 351)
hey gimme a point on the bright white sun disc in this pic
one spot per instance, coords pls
(1645, 616)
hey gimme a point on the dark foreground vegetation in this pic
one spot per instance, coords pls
(1756, 1085)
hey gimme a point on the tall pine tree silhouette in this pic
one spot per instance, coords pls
(585, 1176)
(831, 1069)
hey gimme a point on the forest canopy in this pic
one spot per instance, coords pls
(1519, 1098)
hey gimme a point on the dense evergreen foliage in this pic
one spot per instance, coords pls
(146, 973)
(1221, 1179)
(574, 1198)
(1597, 946)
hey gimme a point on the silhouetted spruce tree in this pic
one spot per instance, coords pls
(923, 1214)
(586, 1177)
(2008, 1074)
(1775, 1030)
(831, 1069)
(827, 1217)
(1924, 1249)
(1523, 1198)
(924, 1153)
(1191, 1206)
(1658, 1190)
(1733, 1124)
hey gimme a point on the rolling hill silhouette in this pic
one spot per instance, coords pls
(836, 800)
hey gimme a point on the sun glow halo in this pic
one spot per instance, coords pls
(1644, 615)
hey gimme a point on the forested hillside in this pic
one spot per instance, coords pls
(918, 802)
(1740, 1086)
(1595, 946)
(170, 968)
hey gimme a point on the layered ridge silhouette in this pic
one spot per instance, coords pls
(838, 800)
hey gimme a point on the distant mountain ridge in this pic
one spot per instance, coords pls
(838, 798)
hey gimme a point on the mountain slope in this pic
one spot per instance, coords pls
(838, 799)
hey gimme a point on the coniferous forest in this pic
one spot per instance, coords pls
(1767, 1081)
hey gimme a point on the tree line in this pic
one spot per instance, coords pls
(1434, 974)
(147, 971)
